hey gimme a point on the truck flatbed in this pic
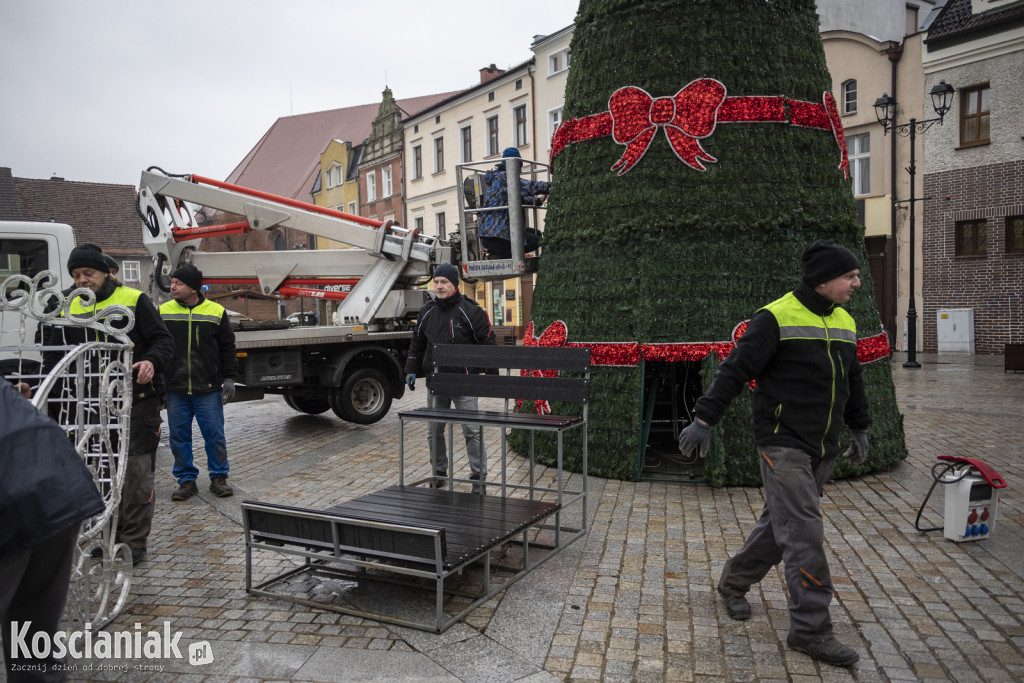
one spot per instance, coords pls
(304, 336)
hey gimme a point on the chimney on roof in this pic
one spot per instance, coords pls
(489, 73)
(55, 177)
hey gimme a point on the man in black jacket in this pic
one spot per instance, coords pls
(802, 350)
(153, 349)
(46, 491)
(200, 380)
(450, 318)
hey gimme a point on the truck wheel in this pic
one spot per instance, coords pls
(310, 406)
(364, 397)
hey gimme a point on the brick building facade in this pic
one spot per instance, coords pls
(992, 283)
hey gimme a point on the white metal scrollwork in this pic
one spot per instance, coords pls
(87, 389)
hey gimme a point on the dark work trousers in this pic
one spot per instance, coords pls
(137, 501)
(34, 587)
(790, 530)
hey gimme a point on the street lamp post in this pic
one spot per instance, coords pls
(885, 112)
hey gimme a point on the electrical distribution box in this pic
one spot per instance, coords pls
(971, 506)
(955, 330)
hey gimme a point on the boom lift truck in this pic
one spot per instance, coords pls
(353, 368)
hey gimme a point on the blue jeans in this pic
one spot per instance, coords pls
(209, 413)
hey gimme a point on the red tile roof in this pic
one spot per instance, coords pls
(287, 158)
(101, 213)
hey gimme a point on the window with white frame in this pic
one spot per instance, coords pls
(466, 137)
(492, 136)
(860, 163)
(417, 224)
(371, 186)
(519, 116)
(554, 120)
(340, 175)
(439, 154)
(558, 61)
(417, 162)
(130, 271)
(439, 223)
(329, 178)
(386, 185)
(353, 208)
(850, 97)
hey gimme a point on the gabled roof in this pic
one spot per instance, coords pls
(101, 213)
(287, 157)
(451, 97)
(957, 22)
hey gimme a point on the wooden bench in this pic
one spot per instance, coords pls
(416, 535)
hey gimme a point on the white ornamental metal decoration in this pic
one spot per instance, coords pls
(87, 389)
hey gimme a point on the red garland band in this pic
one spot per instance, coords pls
(629, 354)
(634, 116)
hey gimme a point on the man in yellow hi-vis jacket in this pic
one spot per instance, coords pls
(200, 380)
(802, 350)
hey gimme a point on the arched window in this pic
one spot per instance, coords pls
(279, 243)
(850, 96)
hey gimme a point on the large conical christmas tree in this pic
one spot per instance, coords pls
(700, 154)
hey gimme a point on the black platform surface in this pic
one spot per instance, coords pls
(472, 523)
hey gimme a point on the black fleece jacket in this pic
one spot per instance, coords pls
(806, 390)
(455, 320)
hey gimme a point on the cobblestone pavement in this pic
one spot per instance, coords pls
(634, 600)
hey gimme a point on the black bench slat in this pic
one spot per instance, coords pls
(509, 386)
(287, 524)
(493, 417)
(480, 518)
(413, 496)
(472, 523)
(525, 357)
(453, 524)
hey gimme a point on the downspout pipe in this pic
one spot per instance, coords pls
(895, 54)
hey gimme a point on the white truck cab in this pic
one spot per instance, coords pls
(28, 249)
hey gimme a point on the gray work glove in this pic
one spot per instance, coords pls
(695, 438)
(227, 391)
(410, 379)
(857, 453)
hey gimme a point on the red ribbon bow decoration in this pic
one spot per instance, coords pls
(687, 116)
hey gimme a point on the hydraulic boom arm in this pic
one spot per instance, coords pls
(386, 260)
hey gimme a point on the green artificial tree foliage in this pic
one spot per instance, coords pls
(665, 253)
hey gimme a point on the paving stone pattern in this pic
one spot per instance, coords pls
(634, 600)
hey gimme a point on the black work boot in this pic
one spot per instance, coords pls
(440, 480)
(219, 487)
(736, 606)
(478, 484)
(186, 490)
(828, 650)
(138, 554)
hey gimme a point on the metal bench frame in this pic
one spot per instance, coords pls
(413, 535)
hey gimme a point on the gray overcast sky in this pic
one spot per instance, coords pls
(99, 90)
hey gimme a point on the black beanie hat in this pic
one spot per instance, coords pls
(826, 260)
(87, 255)
(190, 275)
(449, 273)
